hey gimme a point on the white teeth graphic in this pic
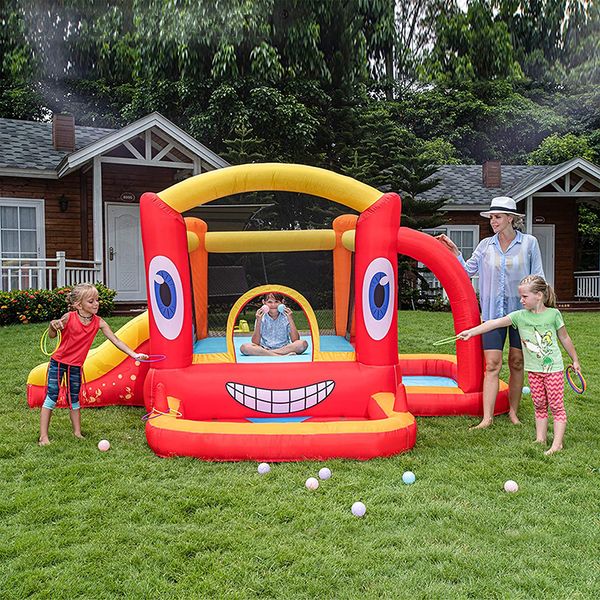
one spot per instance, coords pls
(280, 401)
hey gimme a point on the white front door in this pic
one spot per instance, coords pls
(124, 254)
(545, 238)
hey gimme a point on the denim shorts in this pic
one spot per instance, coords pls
(494, 340)
(56, 373)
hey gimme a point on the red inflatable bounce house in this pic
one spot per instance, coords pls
(349, 395)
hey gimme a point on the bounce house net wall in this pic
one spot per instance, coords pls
(346, 396)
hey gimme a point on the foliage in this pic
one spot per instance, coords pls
(33, 306)
(556, 149)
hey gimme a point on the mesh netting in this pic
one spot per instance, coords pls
(231, 275)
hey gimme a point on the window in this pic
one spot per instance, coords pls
(466, 237)
(21, 243)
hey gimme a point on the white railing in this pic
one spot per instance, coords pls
(46, 273)
(587, 284)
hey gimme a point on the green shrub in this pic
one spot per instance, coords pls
(34, 306)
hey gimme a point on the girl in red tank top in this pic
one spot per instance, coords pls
(79, 328)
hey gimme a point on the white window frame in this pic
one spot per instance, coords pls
(38, 204)
(472, 228)
(447, 229)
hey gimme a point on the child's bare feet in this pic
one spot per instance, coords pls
(540, 441)
(553, 450)
(43, 441)
(485, 423)
(513, 418)
(79, 435)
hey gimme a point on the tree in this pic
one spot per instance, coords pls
(556, 149)
(19, 98)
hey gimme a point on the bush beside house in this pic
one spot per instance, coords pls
(34, 306)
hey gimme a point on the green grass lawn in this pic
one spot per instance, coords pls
(78, 523)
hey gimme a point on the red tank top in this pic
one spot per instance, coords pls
(76, 340)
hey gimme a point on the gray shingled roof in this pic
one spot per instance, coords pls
(28, 144)
(463, 185)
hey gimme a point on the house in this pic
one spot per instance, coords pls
(549, 196)
(69, 198)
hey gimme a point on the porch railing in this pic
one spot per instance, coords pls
(46, 273)
(587, 284)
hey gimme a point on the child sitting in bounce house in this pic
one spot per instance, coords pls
(275, 333)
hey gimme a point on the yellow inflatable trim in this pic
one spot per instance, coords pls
(105, 357)
(261, 291)
(206, 187)
(394, 421)
(304, 240)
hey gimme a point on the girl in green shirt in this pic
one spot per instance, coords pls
(540, 326)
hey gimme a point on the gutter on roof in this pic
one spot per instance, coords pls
(29, 173)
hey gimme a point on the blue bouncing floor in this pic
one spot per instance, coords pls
(215, 345)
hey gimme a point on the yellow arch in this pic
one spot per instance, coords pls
(265, 289)
(206, 187)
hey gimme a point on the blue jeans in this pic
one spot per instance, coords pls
(56, 372)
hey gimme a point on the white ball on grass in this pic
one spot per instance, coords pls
(264, 468)
(103, 445)
(312, 483)
(324, 473)
(359, 509)
(511, 486)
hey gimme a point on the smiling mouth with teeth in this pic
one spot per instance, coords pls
(280, 401)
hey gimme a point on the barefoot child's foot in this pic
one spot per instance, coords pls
(540, 441)
(43, 441)
(553, 450)
(485, 423)
(79, 435)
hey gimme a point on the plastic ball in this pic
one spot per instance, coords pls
(281, 308)
(264, 468)
(312, 483)
(511, 486)
(103, 445)
(359, 509)
(324, 473)
(526, 390)
(408, 477)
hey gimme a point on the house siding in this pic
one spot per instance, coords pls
(67, 230)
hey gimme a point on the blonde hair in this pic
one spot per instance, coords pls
(538, 284)
(79, 292)
(518, 222)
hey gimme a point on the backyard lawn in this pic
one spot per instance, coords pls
(79, 523)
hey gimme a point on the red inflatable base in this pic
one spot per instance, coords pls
(383, 432)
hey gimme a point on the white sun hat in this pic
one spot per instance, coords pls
(502, 204)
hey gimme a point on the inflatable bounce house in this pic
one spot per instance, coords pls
(349, 395)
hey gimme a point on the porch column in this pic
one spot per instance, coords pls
(97, 214)
(529, 215)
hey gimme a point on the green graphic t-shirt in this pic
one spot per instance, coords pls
(539, 339)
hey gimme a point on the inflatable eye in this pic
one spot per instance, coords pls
(166, 296)
(378, 297)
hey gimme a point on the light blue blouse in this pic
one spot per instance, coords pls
(500, 272)
(274, 333)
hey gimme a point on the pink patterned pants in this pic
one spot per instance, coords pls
(548, 389)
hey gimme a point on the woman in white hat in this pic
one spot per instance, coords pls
(501, 262)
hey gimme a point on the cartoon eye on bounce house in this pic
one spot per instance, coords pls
(348, 395)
